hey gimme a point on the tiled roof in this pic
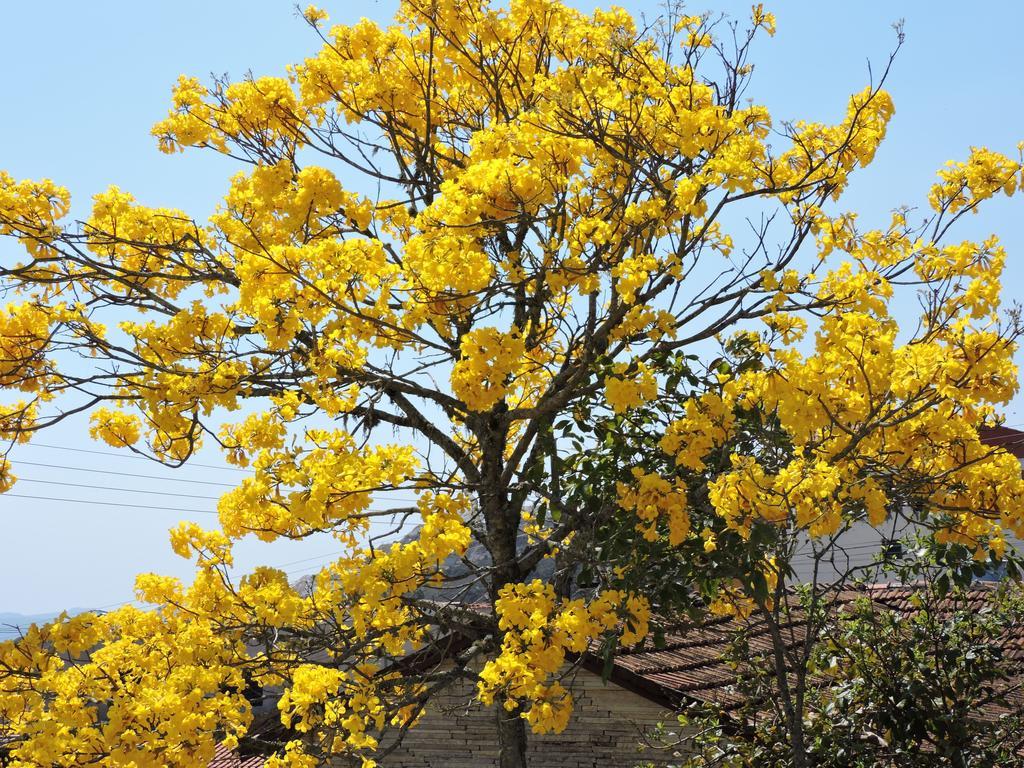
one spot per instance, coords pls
(1004, 437)
(687, 667)
(252, 751)
(690, 666)
(229, 758)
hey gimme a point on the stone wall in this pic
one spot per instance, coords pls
(605, 732)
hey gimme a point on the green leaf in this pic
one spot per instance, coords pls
(609, 664)
(658, 638)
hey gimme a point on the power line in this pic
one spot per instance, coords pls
(132, 456)
(126, 474)
(321, 560)
(109, 503)
(161, 477)
(120, 490)
(240, 469)
(140, 506)
(322, 557)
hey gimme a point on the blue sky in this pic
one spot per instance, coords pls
(82, 84)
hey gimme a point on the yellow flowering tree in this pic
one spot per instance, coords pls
(450, 240)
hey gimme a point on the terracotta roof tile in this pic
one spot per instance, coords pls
(690, 663)
(1004, 437)
(228, 758)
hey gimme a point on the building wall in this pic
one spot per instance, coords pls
(858, 547)
(854, 553)
(605, 732)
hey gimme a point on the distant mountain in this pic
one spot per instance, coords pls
(11, 620)
(461, 584)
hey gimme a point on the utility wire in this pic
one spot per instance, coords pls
(119, 490)
(172, 494)
(142, 506)
(133, 456)
(109, 503)
(157, 477)
(125, 474)
(322, 559)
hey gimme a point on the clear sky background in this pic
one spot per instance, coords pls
(82, 83)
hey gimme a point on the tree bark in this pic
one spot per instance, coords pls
(511, 736)
(794, 715)
(502, 517)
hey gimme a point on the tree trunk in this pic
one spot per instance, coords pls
(502, 532)
(511, 736)
(794, 715)
(503, 518)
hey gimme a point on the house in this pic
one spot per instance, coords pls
(856, 550)
(615, 723)
(616, 720)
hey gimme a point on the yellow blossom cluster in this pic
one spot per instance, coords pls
(7, 477)
(965, 184)
(488, 358)
(24, 330)
(632, 274)
(706, 426)
(540, 634)
(257, 109)
(655, 500)
(340, 709)
(115, 428)
(154, 249)
(538, 192)
(832, 152)
(31, 210)
(734, 600)
(805, 494)
(630, 386)
(655, 324)
(326, 487)
(130, 687)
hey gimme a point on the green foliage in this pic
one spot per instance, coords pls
(930, 683)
